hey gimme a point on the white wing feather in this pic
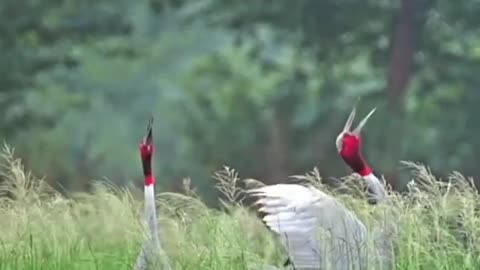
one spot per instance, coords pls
(316, 230)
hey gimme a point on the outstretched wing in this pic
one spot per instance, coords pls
(316, 230)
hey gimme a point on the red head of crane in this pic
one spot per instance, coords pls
(349, 146)
(146, 153)
(152, 252)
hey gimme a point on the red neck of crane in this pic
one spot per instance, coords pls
(147, 172)
(149, 180)
(356, 161)
(352, 154)
(365, 171)
(146, 154)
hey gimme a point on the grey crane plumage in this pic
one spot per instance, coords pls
(317, 231)
(152, 256)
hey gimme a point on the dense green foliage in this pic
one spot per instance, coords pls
(258, 85)
(40, 229)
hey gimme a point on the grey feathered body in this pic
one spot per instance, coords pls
(320, 233)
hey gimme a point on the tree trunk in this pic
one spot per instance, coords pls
(398, 77)
(400, 67)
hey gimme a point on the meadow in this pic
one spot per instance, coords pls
(438, 223)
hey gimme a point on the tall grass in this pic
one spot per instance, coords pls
(438, 224)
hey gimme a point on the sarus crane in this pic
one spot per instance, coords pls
(317, 231)
(152, 256)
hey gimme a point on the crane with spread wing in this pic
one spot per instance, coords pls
(319, 232)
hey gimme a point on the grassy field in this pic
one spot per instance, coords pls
(439, 227)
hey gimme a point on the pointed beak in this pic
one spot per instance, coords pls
(362, 123)
(346, 128)
(349, 122)
(149, 136)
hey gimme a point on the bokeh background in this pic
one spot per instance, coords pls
(261, 86)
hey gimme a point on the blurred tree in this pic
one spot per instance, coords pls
(399, 73)
(262, 86)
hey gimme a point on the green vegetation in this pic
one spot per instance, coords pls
(78, 79)
(41, 229)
